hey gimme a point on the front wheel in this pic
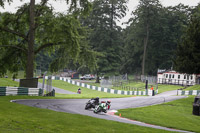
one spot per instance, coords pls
(87, 106)
(96, 110)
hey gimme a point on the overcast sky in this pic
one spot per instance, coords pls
(60, 6)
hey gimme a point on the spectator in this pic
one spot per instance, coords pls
(152, 87)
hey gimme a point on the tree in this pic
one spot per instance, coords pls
(35, 27)
(188, 51)
(166, 34)
(165, 27)
(142, 22)
(105, 36)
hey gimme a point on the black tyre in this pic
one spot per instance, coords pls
(97, 110)
(87, 106)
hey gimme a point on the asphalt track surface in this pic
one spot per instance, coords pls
(77, 106)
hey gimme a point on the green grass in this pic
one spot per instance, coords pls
(20, 118)
(161, 87)
(19, 76)
(88, 93)
(85, 92)
(16, 118)
(132, 84)
(94, 84)
(195, 87)
(8, 82)
(141, 86)
(164, 88)
(176, 114)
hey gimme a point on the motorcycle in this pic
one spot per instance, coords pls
(102, 107)
(92, 103)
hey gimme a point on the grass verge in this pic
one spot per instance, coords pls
(85, 92)
(163, 88)
(176, 114)
(140, 86)
(8, 82)
(194, 87)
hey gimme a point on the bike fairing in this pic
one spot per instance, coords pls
(102, 107)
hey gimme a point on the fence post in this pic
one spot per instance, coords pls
(146, 86)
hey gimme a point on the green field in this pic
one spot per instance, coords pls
(19, 76)
(85, 93)
(195, 87)
(88, 93)
(8, 82)
(176, 114)
(21, 118)
(164, 88)
(140, 86)
(16, 118)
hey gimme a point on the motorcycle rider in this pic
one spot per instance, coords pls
(108, 104)
(103, 106)
(79, 91)
(96, 100)
(92, 103)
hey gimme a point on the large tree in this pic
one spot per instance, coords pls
(105, 35)
(36, 27)
(144, 18)
(162, 28)
(188, 50)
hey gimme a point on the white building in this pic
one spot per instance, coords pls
(173, 77)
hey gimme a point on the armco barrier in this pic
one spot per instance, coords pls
(107, 90)
(189, 92)
(5, 91)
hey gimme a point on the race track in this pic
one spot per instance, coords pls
(77, 106)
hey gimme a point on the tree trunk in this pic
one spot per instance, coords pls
(112, 15)
(97, 79)
(31, 38)
(97, 73)
(145, 48)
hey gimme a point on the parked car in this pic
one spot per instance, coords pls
(87, 77)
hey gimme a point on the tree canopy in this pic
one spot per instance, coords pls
(36, 27)
(165, 28)
(188, 50)
(88, 38)
(105, 36)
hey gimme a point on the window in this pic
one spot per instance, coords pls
(191, 77)
(187, 77)
(173, 76)
(178, 76)
(166, 75)
(170, 76)
(184, 76)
